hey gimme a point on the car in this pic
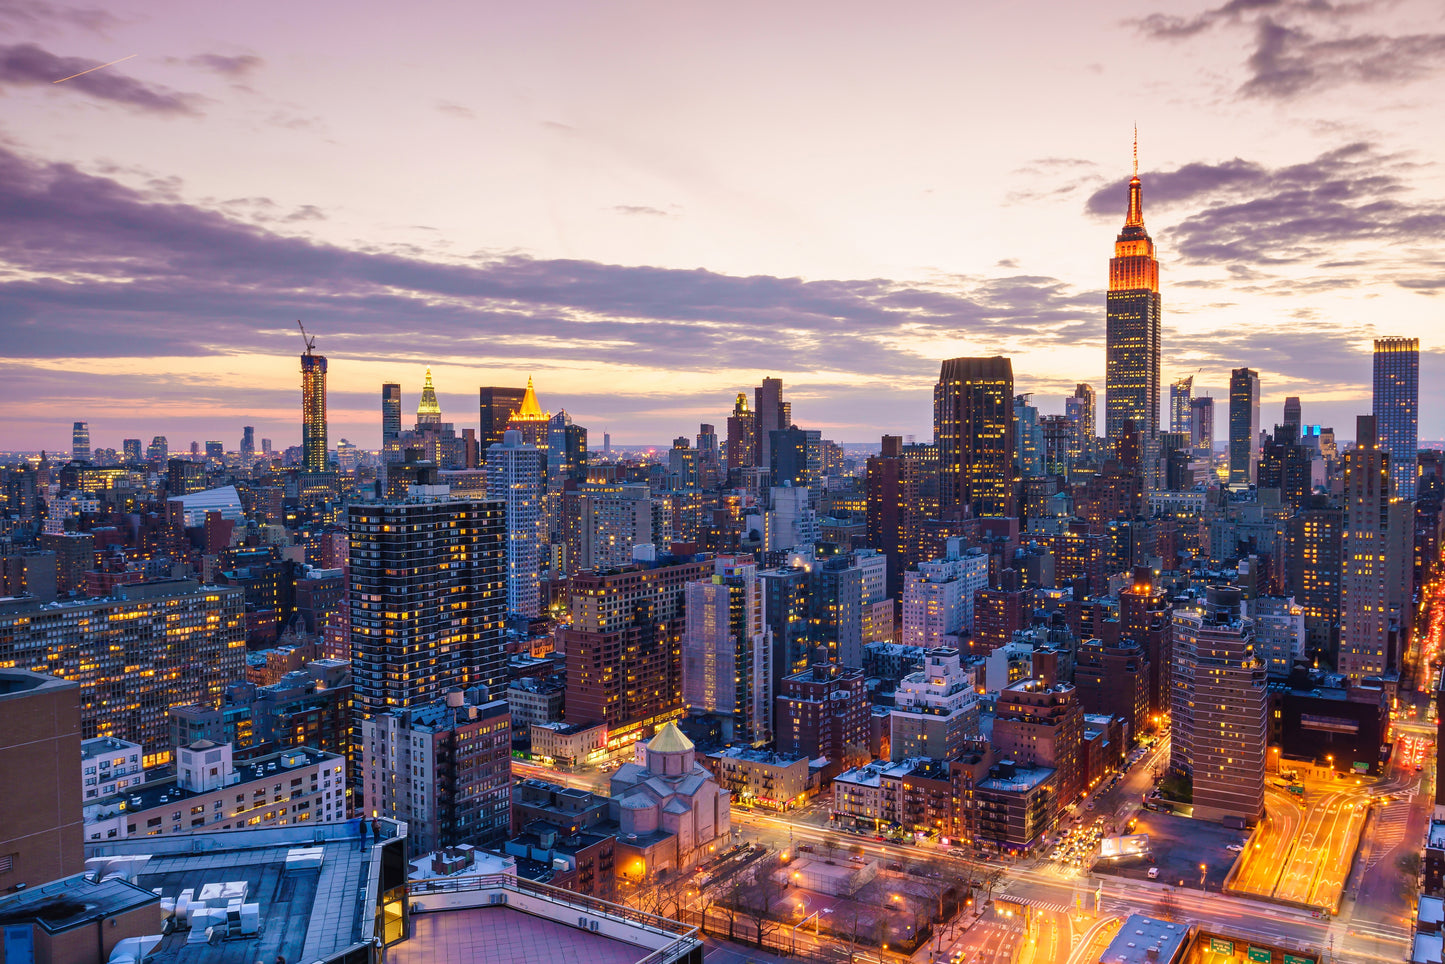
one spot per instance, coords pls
(1153, 873)
(1235, 848)
(1089, 805)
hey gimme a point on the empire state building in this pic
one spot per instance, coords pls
(1131, 374)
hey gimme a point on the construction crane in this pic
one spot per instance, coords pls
(309, 339)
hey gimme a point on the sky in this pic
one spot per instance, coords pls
(648, 207)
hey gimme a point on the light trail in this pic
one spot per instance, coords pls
(93, 69)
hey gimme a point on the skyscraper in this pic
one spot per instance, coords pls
(1377, 547)
(726, 657)
(248, 444)
(1219, 707)
(390, 419)
(1292, 412)
(1131, 374)
(1201, 426)
(80, 442)
(770, 413)
(313, 410)
(497, 405)
(1397, 408)
(1181, 405)
(1243, 425)
(516, 479)
(1080, 408)
(427, 599)
(973, 426)
(132, 451)
(742, 435)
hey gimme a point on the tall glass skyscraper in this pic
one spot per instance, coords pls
(313, 411)
(1181, 401)
(1243, 425)
(80, 439)
(973, 427)
(1131, 373)
(1397, 408)
(390, 417)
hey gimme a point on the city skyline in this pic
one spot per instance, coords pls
(526, 226)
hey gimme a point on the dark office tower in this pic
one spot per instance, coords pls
(1243, 425)
(1376, 580)
(1201, 426)
(1284, 464)
(742, 435)
(1397, 408)
(248, 444)
(893, 511)
(708, 455)
(1144, 616)
(80, 442)
(1080, 408)
(1131, 373)
(1059, 432)
(973, 427)
(184, 477)
(1292, 413)
(428, 597)
(498, 404)
(1181, 402)
(390, 418)
(132, 451)
(797, 459)
(768, 410)
(313, 410)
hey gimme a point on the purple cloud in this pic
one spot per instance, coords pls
(27, 65)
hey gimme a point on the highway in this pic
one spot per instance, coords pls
(1269, 852)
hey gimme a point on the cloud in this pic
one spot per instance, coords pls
(36, 16)
(640, 209)
(235, 67)
(1292, 57)
(99, 269)
(455, 110)
(27, 65)
(1319, 210)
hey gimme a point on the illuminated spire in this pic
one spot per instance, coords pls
(1135, 217)
(428, 404)
(529, 410)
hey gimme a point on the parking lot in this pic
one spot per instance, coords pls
(1178, 846)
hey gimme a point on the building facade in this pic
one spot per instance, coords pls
(973, 427)
(726, 653)
(1133, 333)
(1397, 408)
(516, 477)
(1243, 425)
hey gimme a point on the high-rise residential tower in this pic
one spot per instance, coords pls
(1219, 707)
(497, 406)
(1377, 547)
(313, 409)
(1397, 408)
(516, 478)
(1181, 405)
(428, 595)
(726, 656)
(1243, 425)
(973, 427)
(1131, 375)
(248, 444)
(80, 442)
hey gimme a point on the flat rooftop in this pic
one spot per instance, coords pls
(308, 915)
(500, 935)
(1139, 935)
(146, 796)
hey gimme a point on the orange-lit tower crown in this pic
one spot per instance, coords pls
(1131, 374)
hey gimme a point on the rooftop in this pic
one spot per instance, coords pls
(1138, 935)
(1022, 778)
(167, 790)
(504, 920)
(755, 755)
(71, 902)
(1437, 835)
(310, 914)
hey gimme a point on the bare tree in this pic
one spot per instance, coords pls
(1168, 907)
(830, 845)
(758, 897)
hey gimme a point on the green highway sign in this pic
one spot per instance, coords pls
(1260, 954)
(1296, 959)
(1221, 946)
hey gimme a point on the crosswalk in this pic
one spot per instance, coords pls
(1389, 831)
(1036, 903)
